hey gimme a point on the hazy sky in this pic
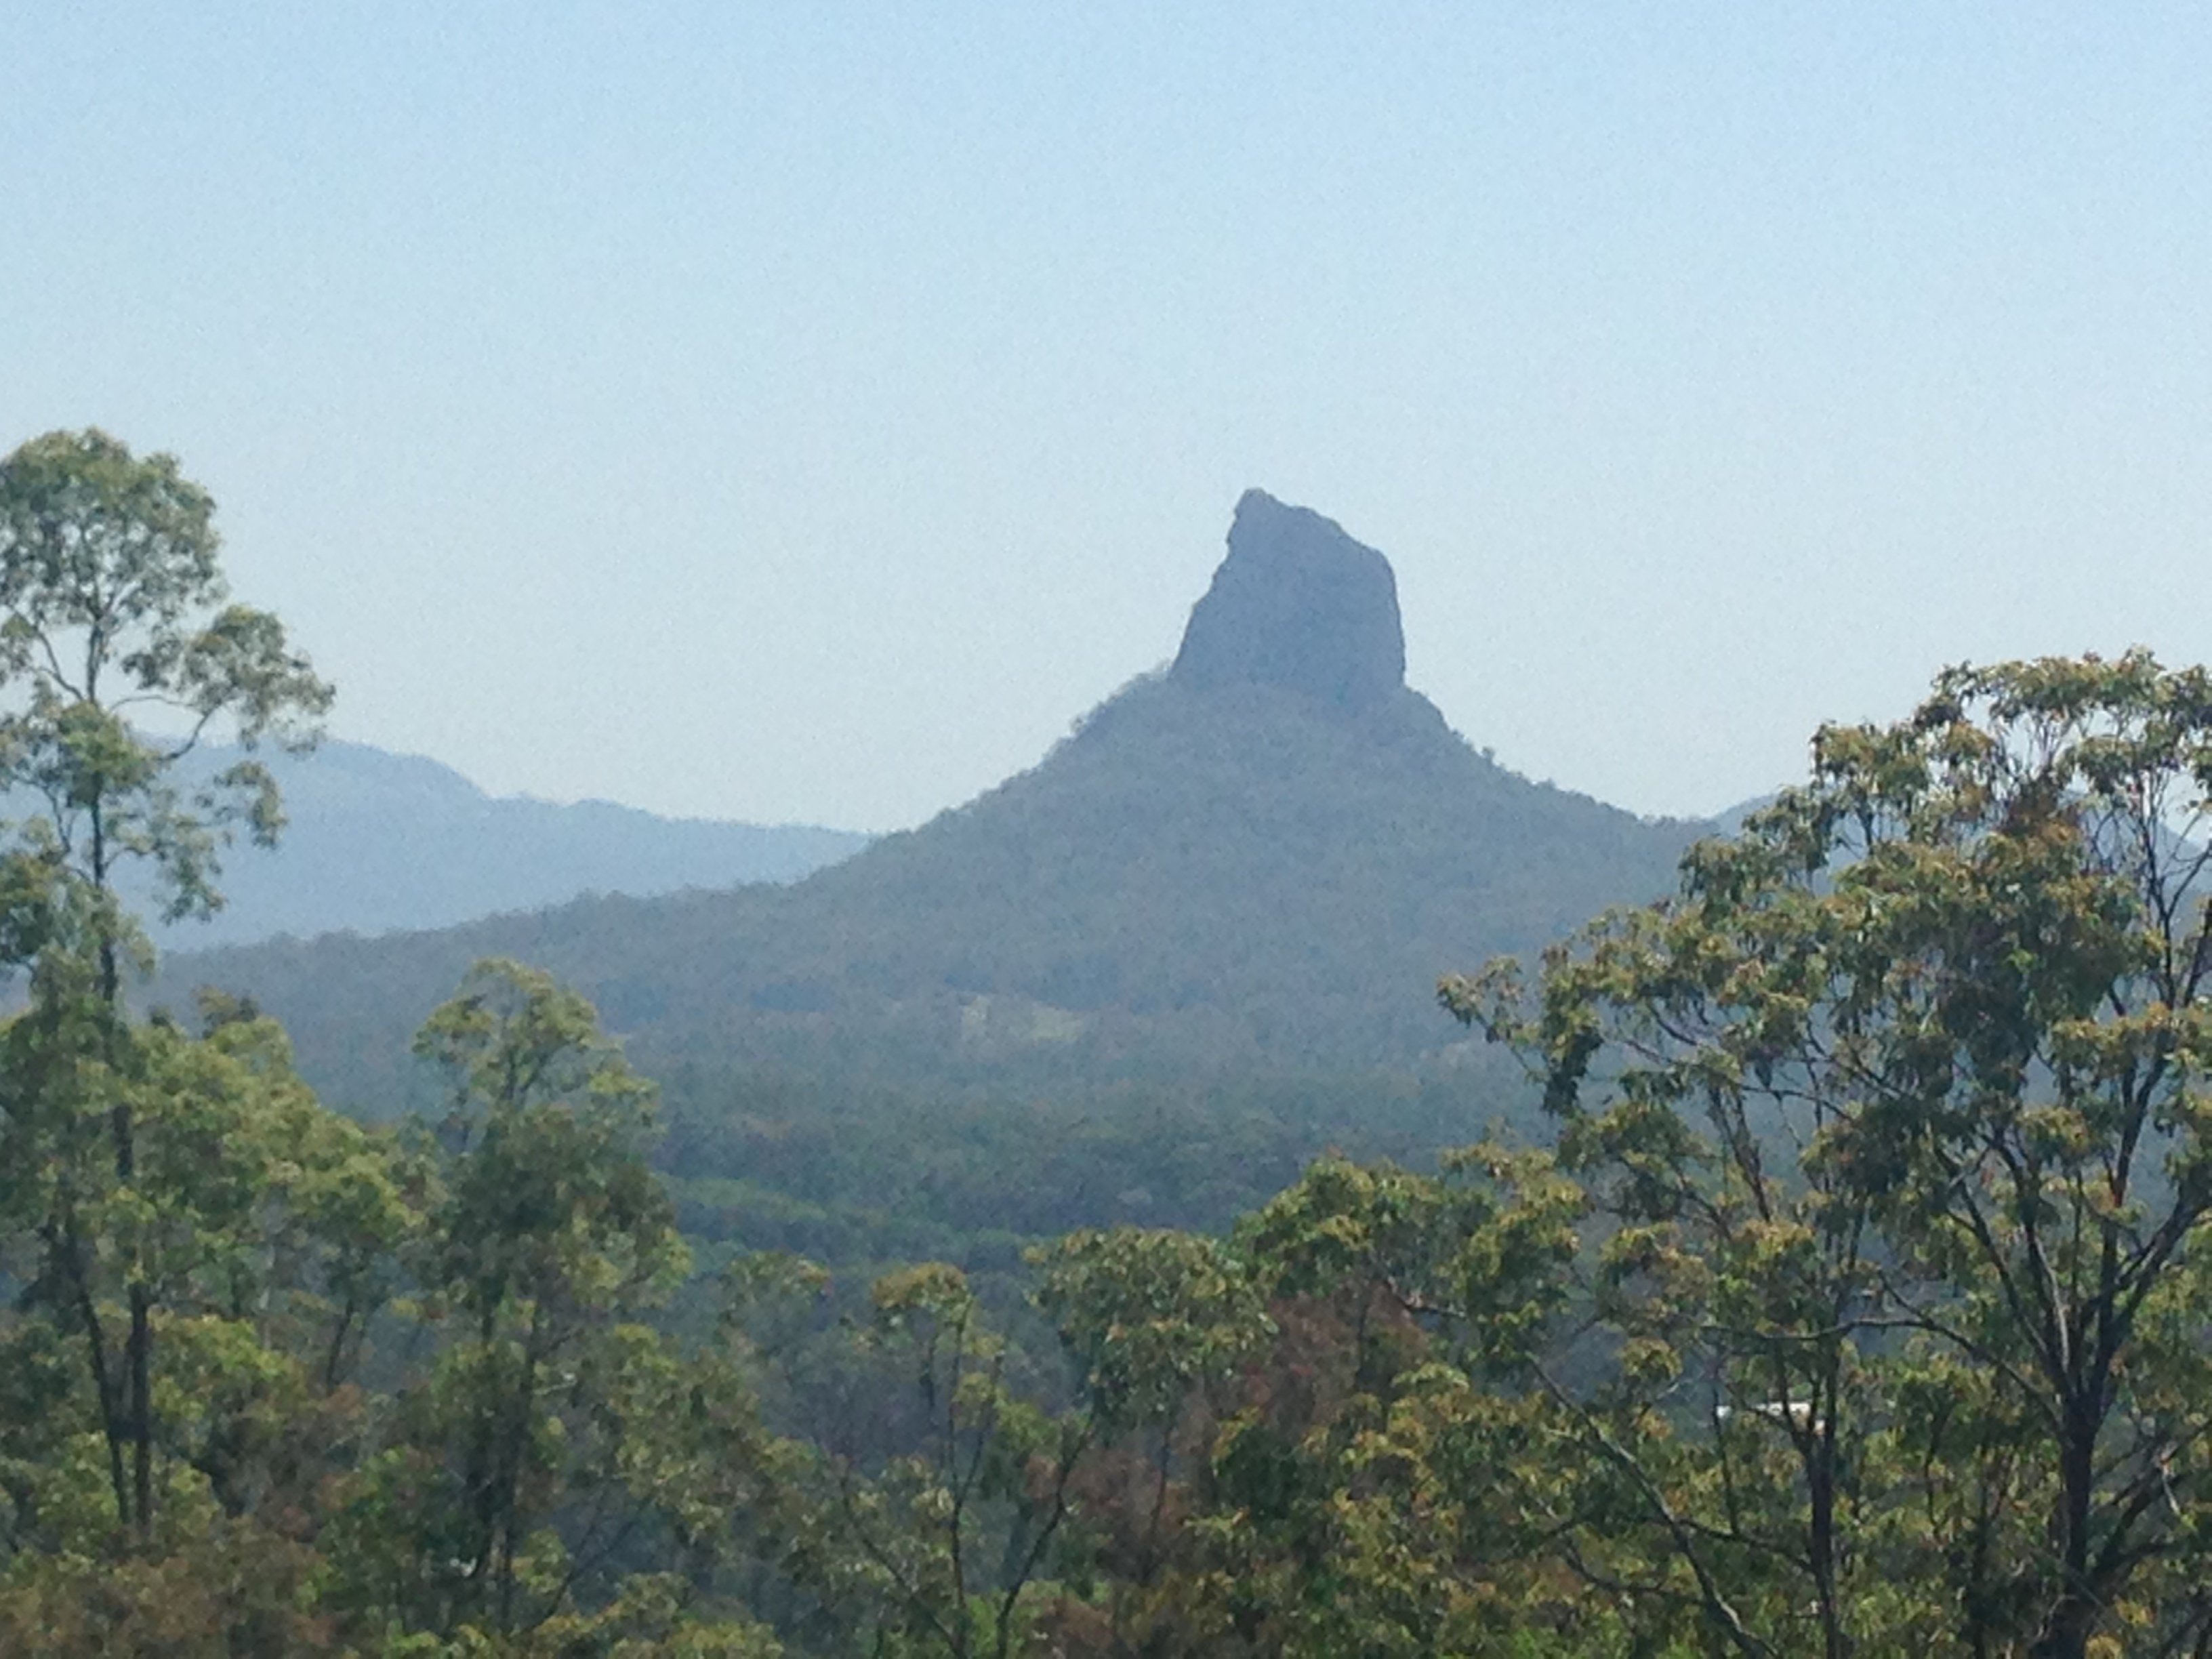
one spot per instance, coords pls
(805, 411)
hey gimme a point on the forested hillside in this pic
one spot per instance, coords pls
(1257, 862)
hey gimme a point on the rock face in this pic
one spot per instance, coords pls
(1296, 603)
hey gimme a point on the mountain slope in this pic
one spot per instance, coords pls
(1261, 859)
(379, 842)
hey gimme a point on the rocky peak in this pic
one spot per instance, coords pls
(1296, 603)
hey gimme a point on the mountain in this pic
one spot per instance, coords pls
(1258, 860)
(379, 842)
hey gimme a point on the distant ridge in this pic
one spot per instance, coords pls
(1259, 860)
(378, 842)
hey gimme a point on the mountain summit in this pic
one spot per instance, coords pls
(1300, 604)
(1258, 861)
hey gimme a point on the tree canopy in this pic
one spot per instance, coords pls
(1897, 1115)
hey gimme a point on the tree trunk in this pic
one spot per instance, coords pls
(142, 1407)
(2073, 1620)
(138, 1364)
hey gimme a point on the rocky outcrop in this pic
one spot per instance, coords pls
(1296, 603)
(1257, 864)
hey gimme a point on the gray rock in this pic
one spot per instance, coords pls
(1296, 603)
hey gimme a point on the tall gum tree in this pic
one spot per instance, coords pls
(120, 653)
(1933, 1036)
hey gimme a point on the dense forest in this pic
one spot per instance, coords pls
(1841, 1289)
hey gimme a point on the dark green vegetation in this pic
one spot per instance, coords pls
(1191, 948)
(1198, 881)
(376, 842)
(1848, 1297)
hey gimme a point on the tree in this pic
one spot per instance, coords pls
(1316, 1437)
(265, 1230)
(116, 610)
(113, 611)
(936, 1548)
(555, 1443)
(1158, 1328)
(1961, 978)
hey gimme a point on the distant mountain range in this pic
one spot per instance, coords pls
(1258, 860)
(378, 842)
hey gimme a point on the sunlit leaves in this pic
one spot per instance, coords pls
(1910, 1072)
(116, 609)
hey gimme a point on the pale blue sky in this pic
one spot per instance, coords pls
(804, 412)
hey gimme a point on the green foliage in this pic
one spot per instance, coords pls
(1897, 1115)
(550, 1213)
(857, 1176)
(114, 605)
(551, 1430)
(116, 608)
(935, 1548)
(546, 1474)
(1148, 1317)
(259, 1228)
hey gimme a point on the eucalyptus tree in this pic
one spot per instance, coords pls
(555, 1443)
(120, 653)
(1901, 1109)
